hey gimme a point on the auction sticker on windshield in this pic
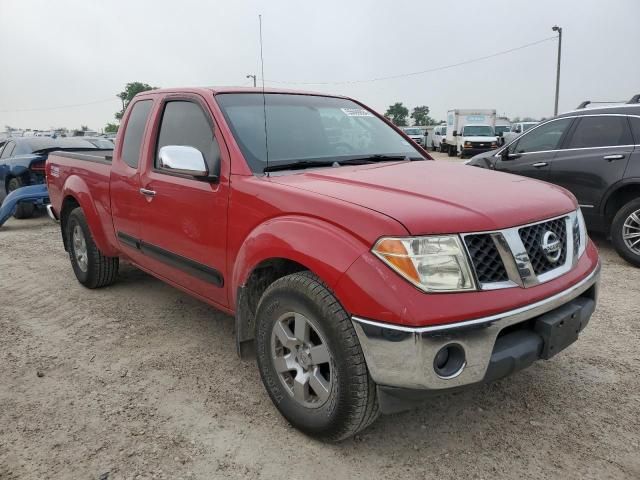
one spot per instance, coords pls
(356, 112)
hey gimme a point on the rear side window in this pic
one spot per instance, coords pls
(545, 137)
(134, 132)
(600, 131)
(184, 123)
(635, 128)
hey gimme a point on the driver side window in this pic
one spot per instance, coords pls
(544, 138)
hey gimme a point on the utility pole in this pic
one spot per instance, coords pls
(254, 79)
(558, 29)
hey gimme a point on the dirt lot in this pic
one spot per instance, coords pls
(138, 380)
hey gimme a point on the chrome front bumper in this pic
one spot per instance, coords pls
(403, 357)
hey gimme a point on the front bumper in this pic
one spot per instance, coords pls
(476, 150)
(404, 357)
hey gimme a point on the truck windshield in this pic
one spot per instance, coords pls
(413, 131)
(308, 128)
(502, 128)
(478, 131)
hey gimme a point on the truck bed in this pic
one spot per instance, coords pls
(87, 173)
(89, 155)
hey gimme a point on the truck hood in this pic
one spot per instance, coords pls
(429, 197)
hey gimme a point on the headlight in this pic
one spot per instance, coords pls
(580, 230)
(433, 263)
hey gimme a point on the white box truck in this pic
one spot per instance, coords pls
(471, 131)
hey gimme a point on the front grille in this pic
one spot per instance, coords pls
(480, 144)
(531, 237)
(576, 237)
(485, 258)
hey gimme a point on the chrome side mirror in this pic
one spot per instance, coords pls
(183, 160)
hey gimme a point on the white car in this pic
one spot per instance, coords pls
(439, 137)
(516, 129)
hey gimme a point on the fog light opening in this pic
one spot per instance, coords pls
(449, 361)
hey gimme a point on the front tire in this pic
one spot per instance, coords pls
(93, 269)
(310, 359)
(24, 209)
(625, 232)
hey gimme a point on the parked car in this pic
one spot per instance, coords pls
(464, 141)
(415, 134)
(439, 138)
(502, 126)
(22, 161)
(516, 129)
(362, 274)
(595, 154)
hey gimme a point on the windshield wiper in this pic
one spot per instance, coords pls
(298, 164)
(379, 158)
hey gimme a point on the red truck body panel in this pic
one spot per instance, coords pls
(326, 220)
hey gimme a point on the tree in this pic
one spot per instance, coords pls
(84, 128)
(130, 91)
(111, 128)
(398, 114)
(420, 115)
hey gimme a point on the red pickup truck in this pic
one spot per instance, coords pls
(362, 274)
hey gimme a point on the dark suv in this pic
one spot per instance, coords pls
(595, 154)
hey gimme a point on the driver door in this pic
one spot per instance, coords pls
(530, 155)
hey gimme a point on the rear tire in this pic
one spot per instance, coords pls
(93, 269)
(452, 150)
(329, 396)
(625, 232)
(25, 209)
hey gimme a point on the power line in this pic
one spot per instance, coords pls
(345, 82)
(60, 107)
(421, 72)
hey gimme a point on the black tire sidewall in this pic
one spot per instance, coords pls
(77, 218)
(323, 421)
(616, 232)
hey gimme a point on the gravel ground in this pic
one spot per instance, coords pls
(139, 380)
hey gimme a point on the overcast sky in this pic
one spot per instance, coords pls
(69, 52)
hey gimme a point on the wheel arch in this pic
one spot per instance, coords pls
(278, 248)
(75, 193)
(619, 196)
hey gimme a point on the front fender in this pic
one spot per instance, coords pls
(320, 246)
(77, 188)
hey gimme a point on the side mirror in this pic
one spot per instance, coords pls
(455, 133)
(500, 134)
(183, 160)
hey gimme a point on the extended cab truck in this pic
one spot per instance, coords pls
(470, 132)
(364, 274)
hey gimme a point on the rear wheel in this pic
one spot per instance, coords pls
(625, 232)
(92, 268)
(310, 359)
(452, 150)
(25, 209)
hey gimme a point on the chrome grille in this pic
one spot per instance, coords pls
(515, 256)
(486, 259)
(576, 235)
(532, 240)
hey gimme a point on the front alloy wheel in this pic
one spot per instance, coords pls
(310, 359)
(301, 357)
